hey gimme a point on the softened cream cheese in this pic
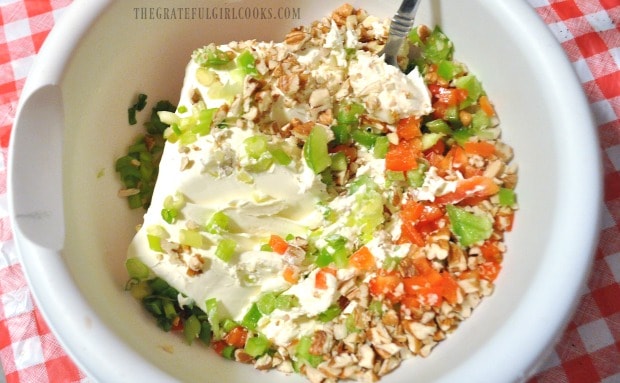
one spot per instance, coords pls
(210, 175)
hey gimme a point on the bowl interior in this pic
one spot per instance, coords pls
(126, 52)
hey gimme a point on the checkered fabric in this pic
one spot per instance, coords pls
(589, 349)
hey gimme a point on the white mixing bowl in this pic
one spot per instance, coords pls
(72, 230)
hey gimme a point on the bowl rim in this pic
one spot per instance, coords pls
(50, 294)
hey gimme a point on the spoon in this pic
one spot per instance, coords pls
(400, 26)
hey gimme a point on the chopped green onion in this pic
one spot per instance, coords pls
(350, 114)
(213, 316)
(210, 56)
(439, 126)
(250, 320)
(286, 302)
(205, 332)
(154, 243)
(256, 345)
(376, 307)
(381, 147)
(303, 352)
(246, 62)
(190, 238)
(364, 137)
(342, 134)
(218, 223)
(255, 146)
(229, 352)
(324, 258)
(191, 328)
(339, 161)
(315, 150)
(329, 314)
(280, 156)
(473, 87)
(203, 124)
(225, 249)
(507, 197)
(169, 215)
(140, 290)
(228, 324)
(266, 303)
(430, 139)
(469, 228)
(136, 269)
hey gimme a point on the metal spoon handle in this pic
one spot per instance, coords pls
(400, 26)
(402, 22)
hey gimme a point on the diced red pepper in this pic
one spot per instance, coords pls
(385, 285)
(489, 270)
(349, 151)
(403, 157)
(486, 106)
(219, 346)
(362, 259)
(291, 275)
(478, 186)
(491, 252)
(481, 148)
(236, 337)
(278, 244)
(409, 234)
(408, 128)
(320, 280)
(448, 96)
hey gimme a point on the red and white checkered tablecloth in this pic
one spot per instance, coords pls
(589, 349)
